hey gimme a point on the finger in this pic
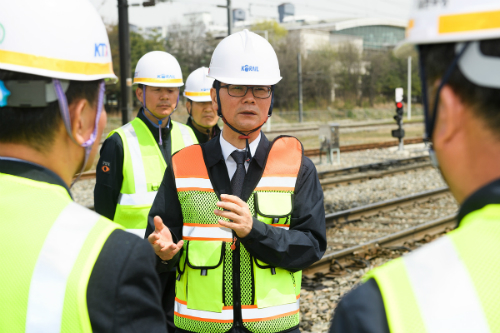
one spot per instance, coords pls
(230, 206)
(153, 238)
(233, 199)
(158, 223)
(228, 215)
(230, 225)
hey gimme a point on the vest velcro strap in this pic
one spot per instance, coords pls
(276, 183)
(137, 199)
(206, 232)
(181, 310)
(193, 184)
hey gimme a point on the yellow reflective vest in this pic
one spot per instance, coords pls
(206, 282)
(449, 285)
(47, 262)
(143, 169)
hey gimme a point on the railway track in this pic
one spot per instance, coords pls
(343, 126)
(316, 152)
(358, 174)
(386, 224)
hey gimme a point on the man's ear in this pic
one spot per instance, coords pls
(450, 116)
(188, 106)
(138, 94)
(213, 96)
(82, 119)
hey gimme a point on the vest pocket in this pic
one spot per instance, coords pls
(204, 274)
(273, 285)
(273, 207)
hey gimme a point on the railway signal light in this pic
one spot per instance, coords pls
(400, 132)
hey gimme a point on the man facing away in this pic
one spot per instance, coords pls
(134, 157)
(451, 284)
(247, 213)
(202, 116)
(64, 267)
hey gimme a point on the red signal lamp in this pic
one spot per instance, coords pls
(399, 105)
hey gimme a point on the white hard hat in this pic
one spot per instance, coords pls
(158, 69)
(54, 38)
(452, 21)
(198, 85)
(245, 58)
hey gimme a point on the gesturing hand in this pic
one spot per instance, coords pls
(236, 210)
(161, 240)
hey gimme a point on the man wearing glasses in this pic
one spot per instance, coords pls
(248, 214)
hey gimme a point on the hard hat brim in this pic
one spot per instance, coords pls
(248, 81)
(198, 98)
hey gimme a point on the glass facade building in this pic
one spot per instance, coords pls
(376, 37)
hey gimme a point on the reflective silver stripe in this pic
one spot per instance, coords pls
(248, 313)
(182, 309)
(277, 182)
(186, 136)
(137, 199)
(193, 183)
(139, 232)
(140, 183)
(444, 290)
(214, 231)
(272, 311)
(54, 265)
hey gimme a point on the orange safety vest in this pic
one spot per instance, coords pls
(205, 284)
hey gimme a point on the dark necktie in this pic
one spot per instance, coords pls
(239, 174)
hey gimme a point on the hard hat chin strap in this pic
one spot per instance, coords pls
(64, 110)
(243, 135)
(430, 117)
(160, 120)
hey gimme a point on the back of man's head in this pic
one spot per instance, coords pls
(484, 102)
(37, 127)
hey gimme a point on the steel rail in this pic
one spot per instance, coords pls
(356, 214)
(348, 256)
(361, 177)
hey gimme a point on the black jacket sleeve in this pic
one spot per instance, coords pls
(305, 242)
(361, 311)
(167, 206)
(109, 176)
(123, 293)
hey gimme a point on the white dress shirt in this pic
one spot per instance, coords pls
(227, 150)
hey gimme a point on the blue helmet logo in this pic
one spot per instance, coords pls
(247, 68)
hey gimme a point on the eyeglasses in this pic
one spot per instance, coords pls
(240, 91)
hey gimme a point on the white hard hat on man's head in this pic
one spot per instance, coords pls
(198, 85)
(448, 21)
(245, 58)
(158, 69)
(54, 38)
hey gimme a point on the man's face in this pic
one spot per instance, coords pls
(161, 101)
(244, 113)
(203, 113)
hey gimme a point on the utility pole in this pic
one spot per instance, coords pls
(409, 88)
(229, 16)
(299, 78)
(125, 72)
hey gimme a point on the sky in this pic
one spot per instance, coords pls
(164, 14)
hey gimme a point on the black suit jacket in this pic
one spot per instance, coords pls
(293, 249)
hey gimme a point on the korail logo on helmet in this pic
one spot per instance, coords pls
(165, 76)
(100, 50)
(247, 68)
